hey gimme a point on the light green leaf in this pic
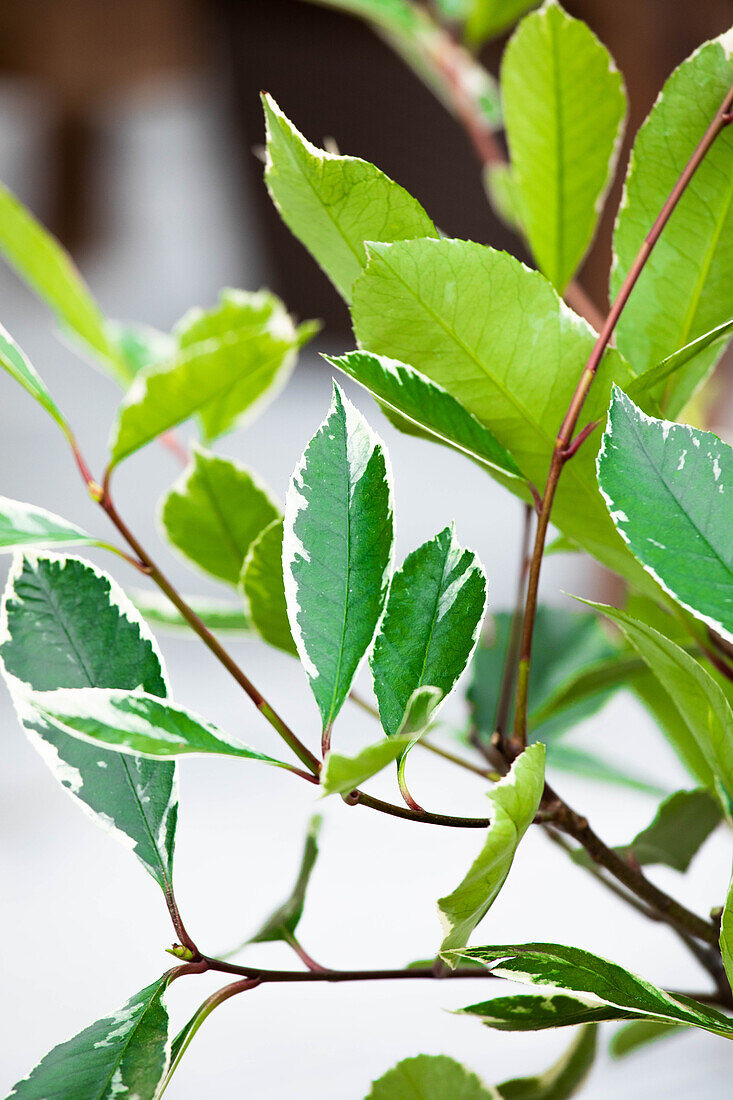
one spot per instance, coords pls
(337, 551)
(488, 18)
(218, 615)
(534, 1012)
(567, 645)
(645, 384)
(230, 361)
(682, 823)
(430, 1077)
(333, 203)
(564, 1078)
(141, 345)
(395, 15)
(668, 489)
(726, 935)
(564, 107)
(285, 919)
(515, 801)
(343, 774)
(214, 512)
(673, 725)
(26, 527)
(135, 722)
(638, 1033)
(503, 194)
(499, 339)
(598, 981)
(264, 588)
(700, 701)
(430, 628)
(426, 406)
(125, 1054)
(574, 761)
(684, 289)
(14, 361)
(68, 625)
(39, 259)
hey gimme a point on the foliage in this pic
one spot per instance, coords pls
(467, 347)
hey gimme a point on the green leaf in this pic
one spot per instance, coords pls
(673, 725)
(230, 361)
(14, 361)
(567, 646)
(430, 627)
(600, 983)
(564, 107)
(488, 18)
(135, 722)
(39, 259)
(684, 289)
(682, 823)
(700, 701)
(532, 1012)
(667, 487)
(285, 919)
(68, 625)
(141, 345)
(426, 406)
(26, 527)
(343, 774)
(332, 203)
(515, 801)
(726, 935)
(396, 15)
(638, 1033)
(218, 615)
(503, 194)
(214, 512)
(264, 588)
(429, 1077)
(498, 338)
(124, 1054)
(337, 551)
(646, 383)
(564, 1078)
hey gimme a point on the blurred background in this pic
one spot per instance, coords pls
(133, 130)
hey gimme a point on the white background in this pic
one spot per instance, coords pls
(81, 925)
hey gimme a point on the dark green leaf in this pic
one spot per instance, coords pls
(534, 1012)
(564, 1078)
(429, 1077)
(68, 625)
(285, 919)
(337, 551)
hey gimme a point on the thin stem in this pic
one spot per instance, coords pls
(301, 751)
(302, 954)
(361, 798)
(567, 428)
(511, 661)
(179, 926)
(431, 973)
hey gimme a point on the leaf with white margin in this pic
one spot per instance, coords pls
(669, 490)
(537, 1012)
(342, 774)
(430, 1077)
(337, 551)
(125, 1054)
(684, 289)
(564, 1077)
(214, 512)
(16, 363)
(497, 337)
(229, 362)
(699, 699)
(67, 624)
(134, 722)
(595, 980)
(426, 406)
(564, 106)
(263, 588)
(27, 527)
(333, 203)
(38, 258)
(649, 380)
(515, 801)
(431, 625)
